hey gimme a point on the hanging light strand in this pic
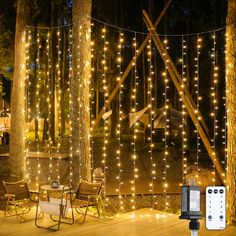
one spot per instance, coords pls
(70, 39)
(58, 101)
(79, 63)
(214, 101)
(198, 98)
(105, 95)
(167, 124)
(49, 105)
(27, 105)
(225, 114)
(133, 110)
(38, 98)
(224, 139)
(118, 130)
(92, 102)
(183, 111)
(150, 125)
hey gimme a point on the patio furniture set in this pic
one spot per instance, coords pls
(57, 201)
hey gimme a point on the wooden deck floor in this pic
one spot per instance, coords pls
(142, 222)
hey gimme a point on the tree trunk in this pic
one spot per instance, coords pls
(231, 108)
(80, 115)
(17, 144)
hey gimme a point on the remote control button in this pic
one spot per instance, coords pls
(216, 191)
(221, 217)
(209, 191)
(210, 217)
(221, 191)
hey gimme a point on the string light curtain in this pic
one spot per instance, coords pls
(104, 62)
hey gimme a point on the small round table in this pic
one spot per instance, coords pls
(55, 206)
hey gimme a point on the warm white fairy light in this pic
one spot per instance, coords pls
(58, 99)
(214, 94)
(79, 95)
(133, 109)
(198, 98)
(105, 96)
(150, 125)
(167, 124)
(224, 131)
(38, 98)
(48, 99)
(70, 106)
(118, 130)
(183, 111)
(28, 106)
(224, 139)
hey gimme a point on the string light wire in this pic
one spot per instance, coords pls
(118, 152)
(183, 111)
(27, 104)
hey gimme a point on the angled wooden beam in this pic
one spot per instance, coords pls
(127, 70)
(185, 95)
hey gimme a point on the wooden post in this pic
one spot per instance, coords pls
(127, 70)
(185, 95)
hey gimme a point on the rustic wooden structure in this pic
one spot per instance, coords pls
(127, 71)
(185, 95)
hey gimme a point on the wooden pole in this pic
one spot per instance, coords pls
(185, 95)
(127, 70)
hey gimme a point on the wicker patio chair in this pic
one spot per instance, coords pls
(19, 200)
(88, 194)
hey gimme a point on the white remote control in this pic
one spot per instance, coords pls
(215, 207)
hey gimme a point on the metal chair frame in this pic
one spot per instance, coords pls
(88, 194)
(18, 196)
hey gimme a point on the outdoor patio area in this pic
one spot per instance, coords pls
(117, 118)
(138, 223)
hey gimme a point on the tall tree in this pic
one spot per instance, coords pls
(231, 108)
(7, 28)
(17, 132)
(80, 83)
